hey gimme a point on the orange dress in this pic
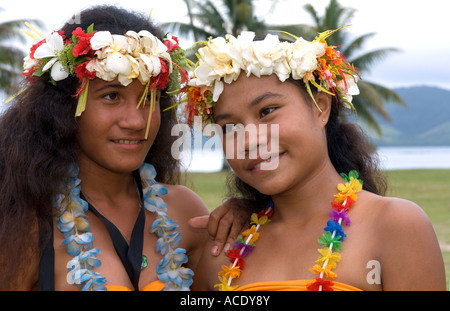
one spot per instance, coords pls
(153, 286)
(291, 285)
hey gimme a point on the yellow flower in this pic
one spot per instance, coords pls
(230, 271)
(259, 221)
(348, 189)
(253, 233)
(223, 285)
(327, 254)
(327, 271)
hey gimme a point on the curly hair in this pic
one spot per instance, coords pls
(38, 142)
(348, 148)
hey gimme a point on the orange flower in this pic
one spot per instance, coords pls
(327, 271)
(230, 271)
(253, 233)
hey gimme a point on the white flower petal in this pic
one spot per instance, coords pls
(218, 89)
(49, 64)
(55, 42)
(101, 39)
(58, 72)
(118, 64)
(44, 51)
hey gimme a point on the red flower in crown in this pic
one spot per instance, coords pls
(161, 80)
(82, 72)
(83, 46)
(172, 43)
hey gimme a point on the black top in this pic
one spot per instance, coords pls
(130, 255)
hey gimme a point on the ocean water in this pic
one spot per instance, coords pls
(394, 158)
(391, 158)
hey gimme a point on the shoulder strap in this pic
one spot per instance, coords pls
(47, 258)
(130, 255)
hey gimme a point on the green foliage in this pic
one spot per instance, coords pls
(371, 101)
(208, 19)
(11, 56)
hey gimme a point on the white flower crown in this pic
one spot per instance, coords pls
(222, 60)
(87, 55)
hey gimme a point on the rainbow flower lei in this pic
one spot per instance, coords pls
(243, 246)
(100, 54)
(71, 221)
(221, 60)
(331, 239)
(334, 233)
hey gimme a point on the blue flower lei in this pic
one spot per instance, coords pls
(71, 221)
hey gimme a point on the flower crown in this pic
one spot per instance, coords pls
(222, 60)
(91, 54)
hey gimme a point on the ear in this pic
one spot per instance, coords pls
(323, 101)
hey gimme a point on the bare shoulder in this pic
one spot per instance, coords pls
(182, 200)
(406, 242)
(394, 218)
(393, 214)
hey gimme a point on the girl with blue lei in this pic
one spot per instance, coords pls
(90, 199)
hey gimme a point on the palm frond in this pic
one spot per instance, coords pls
(365, 61)
(388, 94)
(369, 95)
(349, 49)
(301, 30)
(312, 11)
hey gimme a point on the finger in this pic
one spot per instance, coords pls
(199, 222)
(215, 217)
(236, 228)
(223, 231)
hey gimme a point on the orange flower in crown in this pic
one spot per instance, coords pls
(221, 60)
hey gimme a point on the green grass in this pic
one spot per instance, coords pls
(430, 189)
(211, 187)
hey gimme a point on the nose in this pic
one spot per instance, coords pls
(261, 140)
(133, 118)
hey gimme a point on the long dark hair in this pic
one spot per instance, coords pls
(348, 148)
(38, 143)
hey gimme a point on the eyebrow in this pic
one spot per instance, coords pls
(110, 86)
(253, 103)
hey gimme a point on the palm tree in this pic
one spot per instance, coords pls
(205, 20)
(209, 19)
(372, 96)
(11, 57)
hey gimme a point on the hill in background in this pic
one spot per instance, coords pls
(425, 122)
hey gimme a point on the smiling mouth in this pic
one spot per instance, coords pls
(127, 142)
(267, 165)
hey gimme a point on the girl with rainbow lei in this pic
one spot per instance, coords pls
(89, 194)
(364, 241)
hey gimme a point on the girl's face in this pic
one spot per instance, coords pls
(301, 131)
(111, 130)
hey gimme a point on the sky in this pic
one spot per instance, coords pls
(417, 28)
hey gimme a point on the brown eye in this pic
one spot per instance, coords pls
(111, 96)
(265, 111)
